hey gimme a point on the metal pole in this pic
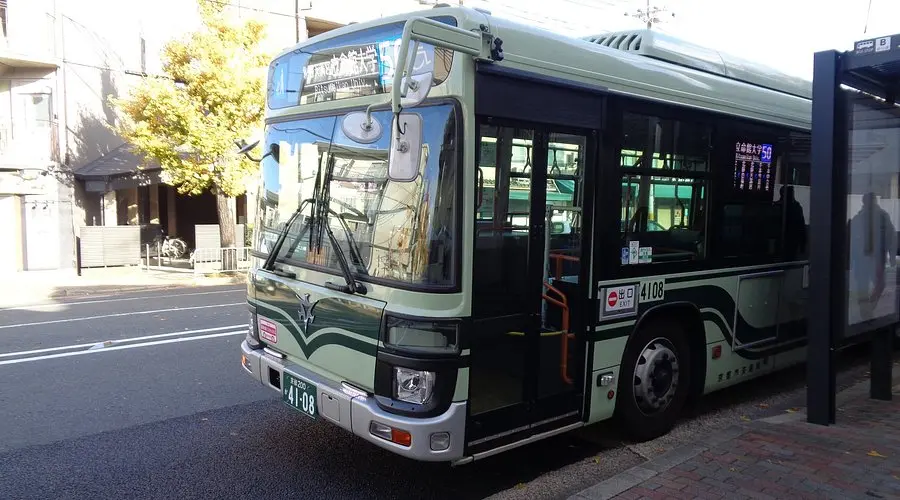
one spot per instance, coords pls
(649, 17)
(827, 281)
(881, 364)
(297, 20)
(546, 277)
(78, 255)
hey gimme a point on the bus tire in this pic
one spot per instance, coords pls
(654, 381)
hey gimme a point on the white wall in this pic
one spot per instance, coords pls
(31, 29)
(11, 244)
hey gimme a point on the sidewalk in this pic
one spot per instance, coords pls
(32, 287)
(779, 457)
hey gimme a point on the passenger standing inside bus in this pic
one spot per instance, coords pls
(873, 240)
(794, 236)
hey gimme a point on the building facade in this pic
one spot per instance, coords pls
(61, 165)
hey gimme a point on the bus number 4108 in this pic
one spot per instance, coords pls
(653, 290)
(302, 400)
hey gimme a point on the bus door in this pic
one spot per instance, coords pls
(527, 347)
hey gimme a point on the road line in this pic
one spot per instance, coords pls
(132, 313)
(56, 304)
(118, 348)
(117, 341)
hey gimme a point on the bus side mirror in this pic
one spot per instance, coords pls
(416, 90)
(406, 147)
(436, 34)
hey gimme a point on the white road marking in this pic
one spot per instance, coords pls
(132, 313)
(93, 345)
(118, 348)
(102, 301)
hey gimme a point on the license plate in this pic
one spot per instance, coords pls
(299, 394)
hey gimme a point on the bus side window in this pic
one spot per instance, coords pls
(766, 212)
(665, 179)
(793, 197)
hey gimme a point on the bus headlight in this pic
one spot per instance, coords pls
(413, 386)
(436, 337)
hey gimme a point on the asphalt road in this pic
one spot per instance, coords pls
(142, 396)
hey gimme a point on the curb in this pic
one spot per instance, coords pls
(638, 474)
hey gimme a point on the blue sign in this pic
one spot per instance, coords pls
(625, 253)
(765, 155)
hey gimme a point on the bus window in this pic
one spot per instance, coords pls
(766, 212)
(487, 174)
(665, 170)
(792, 197)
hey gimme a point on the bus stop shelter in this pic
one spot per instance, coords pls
(856, 196)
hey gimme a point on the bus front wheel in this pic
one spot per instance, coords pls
(653, 381)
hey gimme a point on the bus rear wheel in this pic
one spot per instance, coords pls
(653, 381)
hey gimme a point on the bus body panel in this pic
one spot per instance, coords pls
(327, 331)
(716, 298)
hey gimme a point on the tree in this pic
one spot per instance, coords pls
(211, 93)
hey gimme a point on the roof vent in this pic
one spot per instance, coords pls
(673, 50)
(627, 41)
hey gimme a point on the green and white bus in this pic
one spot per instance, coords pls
(474, 234)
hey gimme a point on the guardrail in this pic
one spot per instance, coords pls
(220, 260)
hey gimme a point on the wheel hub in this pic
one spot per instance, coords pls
(656, 376)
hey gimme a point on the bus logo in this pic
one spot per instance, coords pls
(304, 314)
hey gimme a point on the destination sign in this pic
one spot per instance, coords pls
(753, 166)
(359, 70)
(346, 70)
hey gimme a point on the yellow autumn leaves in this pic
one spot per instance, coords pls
(211, 94)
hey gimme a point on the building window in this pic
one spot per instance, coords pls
(664, 167)
(3, 16)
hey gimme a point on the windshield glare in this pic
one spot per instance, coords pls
(399, 231)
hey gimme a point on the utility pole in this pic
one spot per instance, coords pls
(297, 19)
(649, 15)
(868, 13)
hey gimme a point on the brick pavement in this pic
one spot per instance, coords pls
(780, 457)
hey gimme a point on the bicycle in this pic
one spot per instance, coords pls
(172, 247)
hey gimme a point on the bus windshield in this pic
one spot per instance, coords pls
(402, 232)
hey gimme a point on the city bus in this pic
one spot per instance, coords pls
(473, 234)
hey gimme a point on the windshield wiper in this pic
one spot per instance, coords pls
(269, 264)
(352, 285)
(351, 241)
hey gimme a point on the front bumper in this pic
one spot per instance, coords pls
(354, 412)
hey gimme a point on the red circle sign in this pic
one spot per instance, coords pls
(612, 298)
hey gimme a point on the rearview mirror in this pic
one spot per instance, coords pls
(245, 148)
(406, 147)
(436, 34)
(417, 90)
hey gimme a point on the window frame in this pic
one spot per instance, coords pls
(707, 177)
(460, 205)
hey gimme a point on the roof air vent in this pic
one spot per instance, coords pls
(666, 48)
